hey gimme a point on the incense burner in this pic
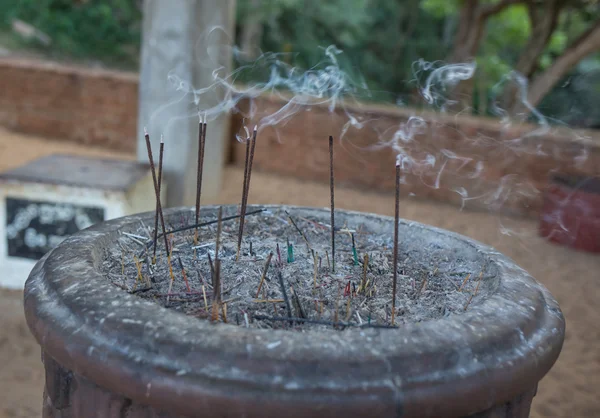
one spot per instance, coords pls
(110, 353)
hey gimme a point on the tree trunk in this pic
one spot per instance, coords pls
(585, 45)
(252, 30)
(543, 23)
(471, 24)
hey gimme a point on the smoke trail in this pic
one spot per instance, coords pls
(434, 150)
(325, 84)
(441, 79)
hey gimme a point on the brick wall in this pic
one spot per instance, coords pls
(78, 104)
(496, 167)
(499, 168)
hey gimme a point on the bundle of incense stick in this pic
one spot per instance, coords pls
(159, 213)
(215, 271)
(201, 146)
(246, 186)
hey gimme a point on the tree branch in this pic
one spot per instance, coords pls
(543, 20)
(583, 46)
(492, 9)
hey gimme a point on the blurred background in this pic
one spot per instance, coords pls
(488, 100)
(382, 40)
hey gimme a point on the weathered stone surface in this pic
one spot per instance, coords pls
(486, 360)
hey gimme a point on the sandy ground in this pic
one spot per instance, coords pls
(569, 390)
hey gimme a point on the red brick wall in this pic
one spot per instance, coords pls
(78, 104)
(99, 107)
(515, 162)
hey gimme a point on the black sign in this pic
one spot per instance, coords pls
(34, 228)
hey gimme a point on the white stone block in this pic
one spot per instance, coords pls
(44, 201)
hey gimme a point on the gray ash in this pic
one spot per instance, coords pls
(431, 271)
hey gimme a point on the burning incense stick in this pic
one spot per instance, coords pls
(151, 159)
(246, 162)
(254, 133)
(331, 186)
(396, 221)
(246, 189)
(201, 144)
(161, 151)
(156, 211)
(156, 191)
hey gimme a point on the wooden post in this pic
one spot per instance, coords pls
(173, 41)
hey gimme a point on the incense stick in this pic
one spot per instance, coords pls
(316, 270)
(396, 221)
(187, 284)
(354, 253)
(331, 186)
(214, 221)
(254, 133)
(285, 297)
(159, 186)
(297, 304)
(216, 290)
(464, 282)
(219, 227)
(246, 188)
(246, 162)
(156, 189)
(264, 274)
(212, 269)
(363, 284)
(299, 230)
(161, 151)
(200, 167)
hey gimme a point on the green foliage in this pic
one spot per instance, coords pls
(440, 8)
(93, 28)
(382, 40)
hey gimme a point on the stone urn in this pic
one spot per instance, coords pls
(109, 353)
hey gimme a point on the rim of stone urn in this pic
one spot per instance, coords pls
(458, 365)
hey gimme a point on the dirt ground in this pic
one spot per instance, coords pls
(569, 390)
